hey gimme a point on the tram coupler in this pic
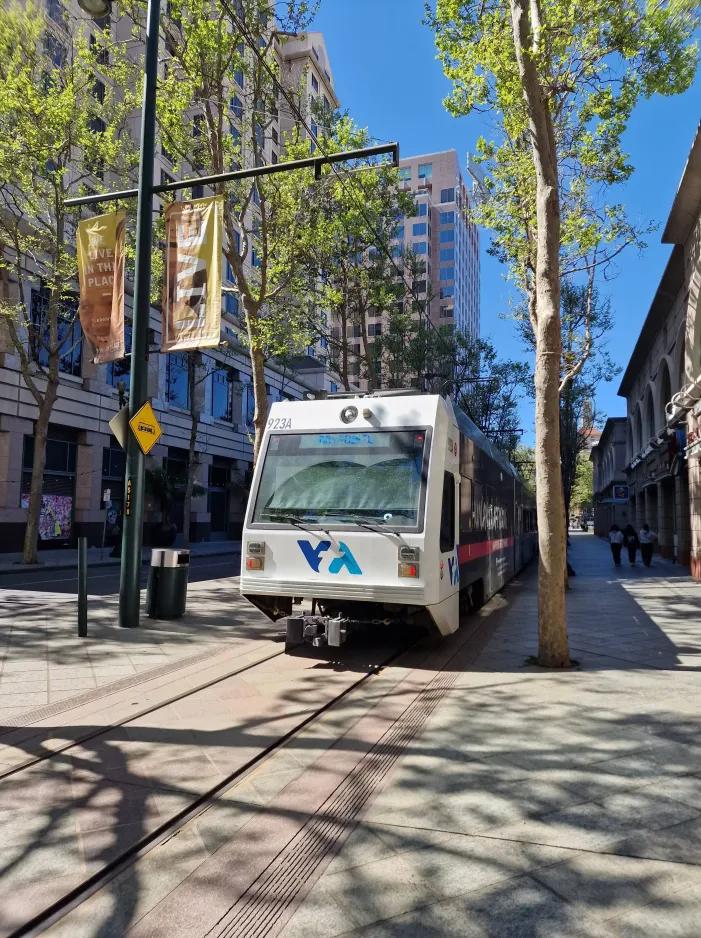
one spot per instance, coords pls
(317, 630)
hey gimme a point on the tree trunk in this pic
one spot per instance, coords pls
(191, 456)
(31, 534)
(553, 648)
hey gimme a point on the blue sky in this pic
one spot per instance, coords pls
(386, 75)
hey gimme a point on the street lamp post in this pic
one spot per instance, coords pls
(133, 519)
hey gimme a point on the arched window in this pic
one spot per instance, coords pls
(639, 430)
(650, 421)
(665, 393)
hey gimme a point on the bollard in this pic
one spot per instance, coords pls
(82, 587)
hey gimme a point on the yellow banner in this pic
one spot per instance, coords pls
(101, 277)
(192, 277)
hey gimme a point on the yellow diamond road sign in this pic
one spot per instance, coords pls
(145, 428)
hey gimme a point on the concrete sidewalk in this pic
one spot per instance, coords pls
(541, 803)
(67, 559)
(43, 662)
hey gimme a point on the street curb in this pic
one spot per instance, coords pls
(112, 562)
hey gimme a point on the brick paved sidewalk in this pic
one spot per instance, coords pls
(541, 803)
(43, 662)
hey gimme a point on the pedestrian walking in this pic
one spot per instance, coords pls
(647, 544)
(630, 539)
(616, 541)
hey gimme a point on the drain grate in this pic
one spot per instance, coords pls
(261, 908)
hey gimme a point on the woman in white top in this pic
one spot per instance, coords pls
(647, 543)
(616, 541)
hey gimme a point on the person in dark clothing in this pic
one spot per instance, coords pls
(630, 539)
(616, 541)
(647, 543)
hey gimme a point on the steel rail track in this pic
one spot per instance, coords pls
(95, 734)
(39, 923)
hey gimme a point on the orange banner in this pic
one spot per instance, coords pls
(101, 276)
(192, 276)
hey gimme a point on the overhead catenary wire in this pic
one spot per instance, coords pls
(301, 119)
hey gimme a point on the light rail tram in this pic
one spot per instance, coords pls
(380, 508)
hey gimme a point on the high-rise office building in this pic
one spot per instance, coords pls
(445, 236)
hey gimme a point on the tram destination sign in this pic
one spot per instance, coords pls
(145, 428)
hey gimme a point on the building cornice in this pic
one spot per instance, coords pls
(686, 207)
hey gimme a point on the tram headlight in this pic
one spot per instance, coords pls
(256, 547)
(409, 554)
(255, 559)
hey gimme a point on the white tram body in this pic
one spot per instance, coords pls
(391, 506)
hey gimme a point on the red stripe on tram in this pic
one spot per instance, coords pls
(467, 552)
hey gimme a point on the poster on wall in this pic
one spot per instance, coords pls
(100, 243)
(192, 275)
(54, 517)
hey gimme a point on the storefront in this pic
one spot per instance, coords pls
(58, 486)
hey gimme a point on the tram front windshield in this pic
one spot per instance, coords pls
(328, 478)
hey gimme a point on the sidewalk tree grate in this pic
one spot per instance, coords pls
(265, 906)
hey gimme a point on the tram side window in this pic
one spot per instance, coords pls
(447, 539)
(465, 504)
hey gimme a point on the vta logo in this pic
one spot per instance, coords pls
(345, 559)
(454, 568)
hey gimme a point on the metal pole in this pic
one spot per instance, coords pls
(82, 587)
(132, 534)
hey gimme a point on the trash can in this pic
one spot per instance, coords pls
(166, 593)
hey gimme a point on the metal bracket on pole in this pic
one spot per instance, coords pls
(311, 162)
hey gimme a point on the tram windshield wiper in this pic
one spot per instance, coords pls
(376, 529)
(297, 523)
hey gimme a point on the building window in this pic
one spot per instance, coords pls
(447, 254)
(422, 210)
(419, 286)
(55, 50)
(273, 157)
(447, 236)
(399, 232)
(237, 106)
(374, 328)
(405, 173)
(98, 91)
(315, 82)
(177, 384)
(238, 78)
(420, 247)
(446, 312)
(57, 12)
(101, 52)
(447, 273)
(198, 192)
(231, 304)
(69, 337)
(165, 178)
(222, 383)
(447, 195)
(334, 388)
(447, 292)
(447, 218)
(419, 228)
(425, 170)
(120, 370)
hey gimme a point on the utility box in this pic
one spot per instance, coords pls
(166, 593)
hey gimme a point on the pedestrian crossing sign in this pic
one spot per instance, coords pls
(145, 428)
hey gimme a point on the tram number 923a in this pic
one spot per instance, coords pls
(280, 423)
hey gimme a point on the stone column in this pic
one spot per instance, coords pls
(665, 519)
(682, 525)
(640, 506)
(695, 513)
